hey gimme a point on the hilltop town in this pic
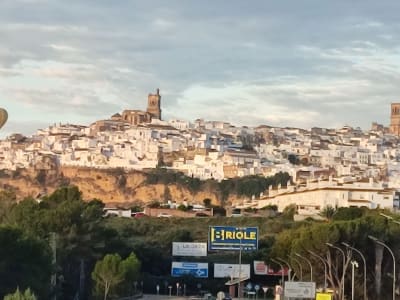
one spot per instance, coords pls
(329, 167)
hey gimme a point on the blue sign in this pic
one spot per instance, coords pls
(199, 270)
(232, 238)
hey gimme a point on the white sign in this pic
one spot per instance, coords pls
(189, 249)
(231, 271)
(298, 289)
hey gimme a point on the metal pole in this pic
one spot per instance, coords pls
(240, 264)
(353, 264)
(323, 261)
(280, 264)
(365, 267)
(309, 263)
(394, 262)
(300, 266)
(290, 268)
(344, 264)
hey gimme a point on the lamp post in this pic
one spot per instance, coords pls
(365, 267)
(353, 264)
(240, 262)
(394, 262)
(323, 261)
(280, 264)
(300, 267)
(344, 264)
(389, 218)
(309, 263)
(290, 268)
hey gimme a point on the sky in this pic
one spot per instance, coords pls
(300, 63)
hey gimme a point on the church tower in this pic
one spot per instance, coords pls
(395, 119)
(154, 105)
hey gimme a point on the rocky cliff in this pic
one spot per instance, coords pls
(110, 186)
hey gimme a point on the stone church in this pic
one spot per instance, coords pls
(395, 119)
(136, 117)
(131, 116)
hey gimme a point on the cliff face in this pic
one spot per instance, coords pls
(110, 186)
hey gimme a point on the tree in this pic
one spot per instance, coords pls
(7, 199)
(26, 295)
(131, 267)
(24, 260)
(207, 202)
(111, 271)
(78, 224)
(167, 194)
(328, 212)
(108, 273)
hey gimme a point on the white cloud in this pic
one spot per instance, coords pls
(284, 62)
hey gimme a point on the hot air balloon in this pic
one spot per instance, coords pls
(3, 117)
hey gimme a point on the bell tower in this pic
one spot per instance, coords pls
(154, 105)
(395, 119)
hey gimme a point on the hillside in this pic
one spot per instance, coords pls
(110, 186)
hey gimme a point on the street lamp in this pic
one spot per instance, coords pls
(309, 263)
(353, 264)
(240, 260)
(290, 268)
(323, 261)
(365, 267)
(394, 262)
(390, 218)
(300, 267)
(280, 264)
(343, 267)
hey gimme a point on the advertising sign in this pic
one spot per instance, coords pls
(232, 238)
(298, 289)
(199, 270)
(189, 249)
(260, 268)
(231, 271)
(277, 272)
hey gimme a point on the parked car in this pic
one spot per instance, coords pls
(164, 215)
(140, 215)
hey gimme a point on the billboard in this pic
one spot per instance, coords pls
(260, 268)
(231, 270)
(189, 249)
(298, 289)
(232, 238)
(277, 272)
(199, 270)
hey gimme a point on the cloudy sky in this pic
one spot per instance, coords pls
(282, 63)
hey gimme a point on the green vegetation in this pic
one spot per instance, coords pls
(24, 260)
(248, 186)
(26, 295)
(100, 258)
(112, 271)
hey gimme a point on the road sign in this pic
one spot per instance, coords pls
(199, 270)
(298, 289)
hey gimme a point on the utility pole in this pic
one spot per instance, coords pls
(53, 246)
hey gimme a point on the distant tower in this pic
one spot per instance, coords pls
(154, 105)
(395, 119)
